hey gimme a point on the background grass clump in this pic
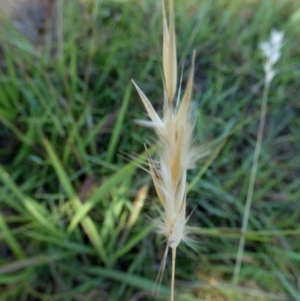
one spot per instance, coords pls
(73, 212)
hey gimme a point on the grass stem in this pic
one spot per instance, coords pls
(252, 181)
(173, 273)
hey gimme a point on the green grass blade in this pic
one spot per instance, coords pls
(10, 239)
(31, 262)
(36, 210)
(118, 125)
(134, 241)
(125, 278)
(87, 223)
(124, 173)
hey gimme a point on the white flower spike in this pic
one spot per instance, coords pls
(271, 50)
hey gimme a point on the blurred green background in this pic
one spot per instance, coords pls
(76, 210)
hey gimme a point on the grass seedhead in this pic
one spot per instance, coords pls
(176, 154)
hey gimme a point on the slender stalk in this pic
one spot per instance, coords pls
(252, 181)
(173, 273)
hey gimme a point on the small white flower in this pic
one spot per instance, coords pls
(271, 50)
(277, 38)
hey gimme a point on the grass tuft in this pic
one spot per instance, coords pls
(73, 222)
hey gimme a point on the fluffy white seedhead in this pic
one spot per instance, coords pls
(271, 50)
(174, 131)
